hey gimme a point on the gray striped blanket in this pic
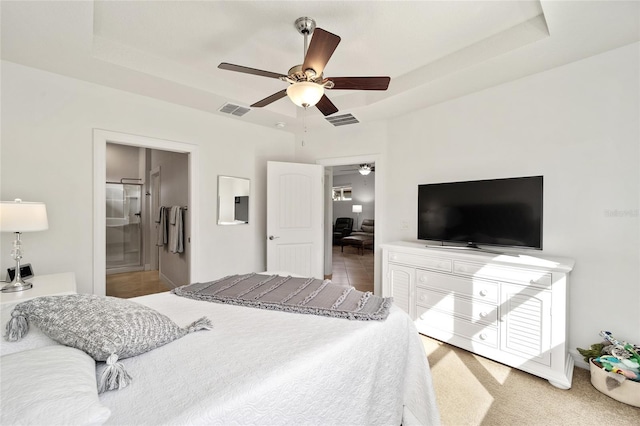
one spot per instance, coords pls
(289, 294)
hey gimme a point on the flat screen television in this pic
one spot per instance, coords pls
(497, 212)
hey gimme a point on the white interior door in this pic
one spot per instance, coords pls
(295, 218)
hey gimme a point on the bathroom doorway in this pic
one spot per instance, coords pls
(125, 230)
(140, 228)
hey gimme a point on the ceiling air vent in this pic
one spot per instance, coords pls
(342, 120)
(232, 109)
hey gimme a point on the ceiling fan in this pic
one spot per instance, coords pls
(307, 81)
(363, 169)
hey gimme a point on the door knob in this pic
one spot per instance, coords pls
(271, 237)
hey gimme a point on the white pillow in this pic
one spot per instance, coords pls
(53, 385)
(107, 328)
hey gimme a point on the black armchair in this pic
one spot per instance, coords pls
(342, 228)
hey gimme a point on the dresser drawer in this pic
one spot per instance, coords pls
(485, 291)
(501, 273)
(450, 303)
(443, 326)
(428, 262)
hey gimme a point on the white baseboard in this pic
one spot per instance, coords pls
(578, 360)
(164, 278)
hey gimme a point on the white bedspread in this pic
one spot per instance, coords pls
(266, 368)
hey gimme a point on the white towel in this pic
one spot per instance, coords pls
(161, 227)
(176, 230)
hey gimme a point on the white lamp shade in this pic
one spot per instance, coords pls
(305, 93)
(364, 169)
(356, 208)
(21, 216)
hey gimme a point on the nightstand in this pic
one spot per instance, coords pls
(43, 285)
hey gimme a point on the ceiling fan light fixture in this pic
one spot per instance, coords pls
(305, 94)
(364, 169)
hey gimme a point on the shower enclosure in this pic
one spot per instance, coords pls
(124, 227)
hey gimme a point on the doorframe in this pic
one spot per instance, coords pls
(154, 250)
(378, 232)
(100, 139)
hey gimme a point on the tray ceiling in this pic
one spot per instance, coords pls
(433, 50)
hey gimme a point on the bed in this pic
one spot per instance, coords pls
(259, 366)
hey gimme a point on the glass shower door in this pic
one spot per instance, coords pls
(124, 228)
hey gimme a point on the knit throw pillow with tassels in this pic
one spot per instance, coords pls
(106, 328)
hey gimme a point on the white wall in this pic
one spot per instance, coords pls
(578, 125)
(50, 118)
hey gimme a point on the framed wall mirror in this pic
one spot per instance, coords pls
(233, 200)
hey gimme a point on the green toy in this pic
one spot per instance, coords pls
(594, 352)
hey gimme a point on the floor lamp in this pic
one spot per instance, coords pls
(357, 208)
(18, 217)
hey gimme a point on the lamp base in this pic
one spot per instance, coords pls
(16, 286)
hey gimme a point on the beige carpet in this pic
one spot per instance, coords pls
(472, 390)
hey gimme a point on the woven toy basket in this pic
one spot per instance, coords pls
(628, 392)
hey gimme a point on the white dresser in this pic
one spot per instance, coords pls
(508, 308)
(43, 285)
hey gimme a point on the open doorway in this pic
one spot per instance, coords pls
(146, 220)
(353, 240)
(350, 195)
(177, 161)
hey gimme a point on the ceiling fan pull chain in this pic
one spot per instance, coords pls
(304, 124)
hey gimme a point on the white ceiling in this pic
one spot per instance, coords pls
(432, 50)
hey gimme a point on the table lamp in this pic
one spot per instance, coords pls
(18, 217)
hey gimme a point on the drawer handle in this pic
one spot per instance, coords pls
(423, 279)
(462, 269)
(483, 314)
(483, 336)
(439, 266)
(393, 257)
(483, 292)
(423, 297)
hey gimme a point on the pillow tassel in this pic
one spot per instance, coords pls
(203, 323)
(114, 376)
(17, 326)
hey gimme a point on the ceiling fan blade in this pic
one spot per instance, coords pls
(269, 99)
(325, 106)
(322, 46)
(360, 83)
(247, 70)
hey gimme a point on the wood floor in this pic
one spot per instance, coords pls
(134, 284)
(353, 268)
(349, 267)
